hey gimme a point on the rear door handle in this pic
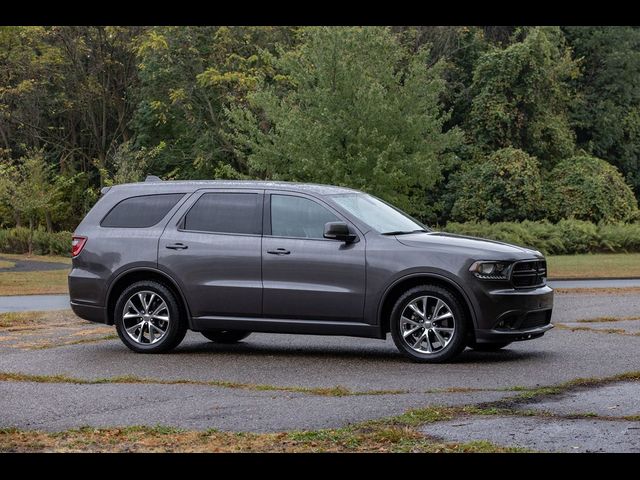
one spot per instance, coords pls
(279, 251)
(177, 246)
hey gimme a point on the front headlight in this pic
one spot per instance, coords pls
(490, 270)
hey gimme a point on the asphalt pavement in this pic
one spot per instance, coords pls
(261, 372)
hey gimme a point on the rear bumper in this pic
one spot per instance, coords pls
(90, 312)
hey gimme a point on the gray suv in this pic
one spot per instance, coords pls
(227, 258)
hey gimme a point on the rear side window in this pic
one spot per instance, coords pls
(226, 213)
(141, 212)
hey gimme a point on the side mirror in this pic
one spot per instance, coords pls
(339, 231)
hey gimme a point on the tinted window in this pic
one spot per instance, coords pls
(298, 217)
(225, 213)
(140, 212)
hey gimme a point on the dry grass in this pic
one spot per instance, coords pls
(397, 434)
(163, 439)
(6, 264)
(337, 391)
(616, 331)
(32, 283)
(607, 319)
(598, 265)
(39, 330)
(598, 291)
(12, 321)
(36, 258)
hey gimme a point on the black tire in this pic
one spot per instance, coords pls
(488, 347)
(457, 342)
(225, 336)
(177, 325)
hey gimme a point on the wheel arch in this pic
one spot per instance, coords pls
(401, 285)
(124, 279)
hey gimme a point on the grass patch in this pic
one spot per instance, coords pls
(596, 265)
(598, 291)
(529, 394)
(6, 264)
(616, 331)
(12, 321)
(338, 391)
(607, 319)
(357, 438)
(16, 319)
(36, 258)
(32, 283)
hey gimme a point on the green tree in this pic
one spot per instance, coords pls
(28, 189)
(521, 97)
(187, 75)
(589, 188)
(343, 111)
(607, 117)
(505, 186)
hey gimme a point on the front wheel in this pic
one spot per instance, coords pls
(226, 336)
(429, 325)
(147, 318)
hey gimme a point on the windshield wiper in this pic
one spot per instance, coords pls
(401, 232)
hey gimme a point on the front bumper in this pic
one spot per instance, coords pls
(510, 315)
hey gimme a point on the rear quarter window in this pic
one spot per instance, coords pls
(140, 212)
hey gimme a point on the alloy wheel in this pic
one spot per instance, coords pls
(427, 324)
(146, 317)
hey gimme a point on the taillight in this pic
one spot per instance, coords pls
(77, 244)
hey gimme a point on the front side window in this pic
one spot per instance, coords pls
(140, 212)
(298, 217)
(226, 213)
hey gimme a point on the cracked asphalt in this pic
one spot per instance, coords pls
(359, 365)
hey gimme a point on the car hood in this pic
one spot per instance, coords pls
(479, 246)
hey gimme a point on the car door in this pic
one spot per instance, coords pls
(213, 251)
(306, 276)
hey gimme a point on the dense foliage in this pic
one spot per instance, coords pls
(356, 110)
(588, 188)
(504, 186)
(449, 123)
(563, 238)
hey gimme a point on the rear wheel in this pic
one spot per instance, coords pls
(488, 347)
(429, 325)
(147, 318)
(226, 336)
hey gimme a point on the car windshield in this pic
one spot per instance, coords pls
(379, 215)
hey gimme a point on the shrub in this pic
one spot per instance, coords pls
(588, 188)
(16, 240)
(505, 186)
(563, 238)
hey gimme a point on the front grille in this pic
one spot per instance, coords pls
(529, 273)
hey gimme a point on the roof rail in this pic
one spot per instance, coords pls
(152, 178)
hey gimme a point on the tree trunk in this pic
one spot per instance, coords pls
(16, 217)
(47, 217)
(30, 236)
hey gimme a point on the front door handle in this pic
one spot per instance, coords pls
(279, 251)
(177, 246)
